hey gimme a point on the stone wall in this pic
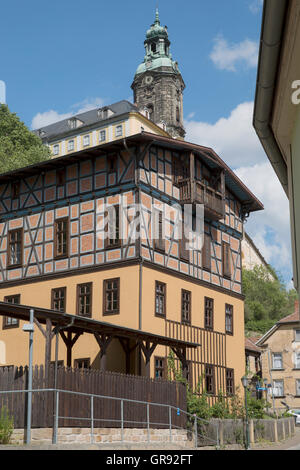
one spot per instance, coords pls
(104, 435)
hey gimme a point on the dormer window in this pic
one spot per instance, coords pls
(74, 123)
(105, 113)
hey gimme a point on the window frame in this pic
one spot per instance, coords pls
(189, 303)
(281, 361)
(69, 144)
(278, 396)
(212, 377)
(160, 368)
(5, 325)
(79, 295)
(163, 295)
(297, 387)
(231, 379)
(55, 289)
(119, 126)
(226, 260)
(85, 138)
(9, 244)
(55, 149)
(55, 244)
(101, 132)
(116, 243)
(209, 310)
(227, 314)
(76, 362)
(158, 218)
(105, 310)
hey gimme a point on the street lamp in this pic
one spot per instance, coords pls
(245, 382)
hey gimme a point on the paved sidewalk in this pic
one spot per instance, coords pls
(288, 444)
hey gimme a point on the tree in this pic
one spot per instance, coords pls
(266, 299)
(19, 147)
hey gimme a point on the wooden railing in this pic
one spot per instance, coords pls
(199, 193)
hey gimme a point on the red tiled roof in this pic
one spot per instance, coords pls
(251, 346)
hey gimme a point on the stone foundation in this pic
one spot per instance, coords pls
(104, 435)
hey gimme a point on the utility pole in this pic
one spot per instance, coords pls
(272, 384)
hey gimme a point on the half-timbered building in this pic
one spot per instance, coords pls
(61, 250)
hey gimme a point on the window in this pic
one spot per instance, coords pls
(297, 387)
(206, 253)
(86, 140)
(230, 381)
(209, 379)
(160, 371)
(297, 335)
(102, 136)
(297, 360)
(56, 149)
(70, 145)
(15, 248)
(10, 322)
(229, 319)
(278, 388)
(185, 306)
(61, 238)
(84, 299)
(58, 299)
(112, 163)
(226, 260)
(112, 229)
(111, 296)
(160, 299)
(277, 360)
(119, 131)
(157, 230)
(209, 313)
(82, 363)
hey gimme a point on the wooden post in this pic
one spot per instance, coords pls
(69, 342)
(103, 341)
(192, 176)
(148, 351)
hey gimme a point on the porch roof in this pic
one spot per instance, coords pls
(80, 324)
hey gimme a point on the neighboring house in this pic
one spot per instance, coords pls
(125, 302)
(281, 360)
(277, 108)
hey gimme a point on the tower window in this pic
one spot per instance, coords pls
(149, 111)
(153, 47)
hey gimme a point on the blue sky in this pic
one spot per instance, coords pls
(61, 57)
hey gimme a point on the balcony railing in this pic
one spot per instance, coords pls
(199, 193)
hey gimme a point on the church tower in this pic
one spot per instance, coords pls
(158, 85)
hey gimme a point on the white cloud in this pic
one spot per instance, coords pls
(235, 141)
(232, 137)
(255, 6)
(226, 56)
(49, 117)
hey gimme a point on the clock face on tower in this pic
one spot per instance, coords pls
(148, 79)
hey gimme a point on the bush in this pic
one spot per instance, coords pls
(6, 426)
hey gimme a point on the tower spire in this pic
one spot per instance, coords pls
(157, 16)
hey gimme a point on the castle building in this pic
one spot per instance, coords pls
(89, 240)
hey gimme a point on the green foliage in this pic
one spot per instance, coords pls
(266, 298)
(6, 426)
(19, 147)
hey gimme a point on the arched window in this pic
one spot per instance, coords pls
(150, 111)
(153, 47)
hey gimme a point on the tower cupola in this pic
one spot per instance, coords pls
(158, 84)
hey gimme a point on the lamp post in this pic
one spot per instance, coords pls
(245, 382)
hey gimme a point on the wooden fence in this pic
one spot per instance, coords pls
(106, 411)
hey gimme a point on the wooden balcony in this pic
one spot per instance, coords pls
(199, 193)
